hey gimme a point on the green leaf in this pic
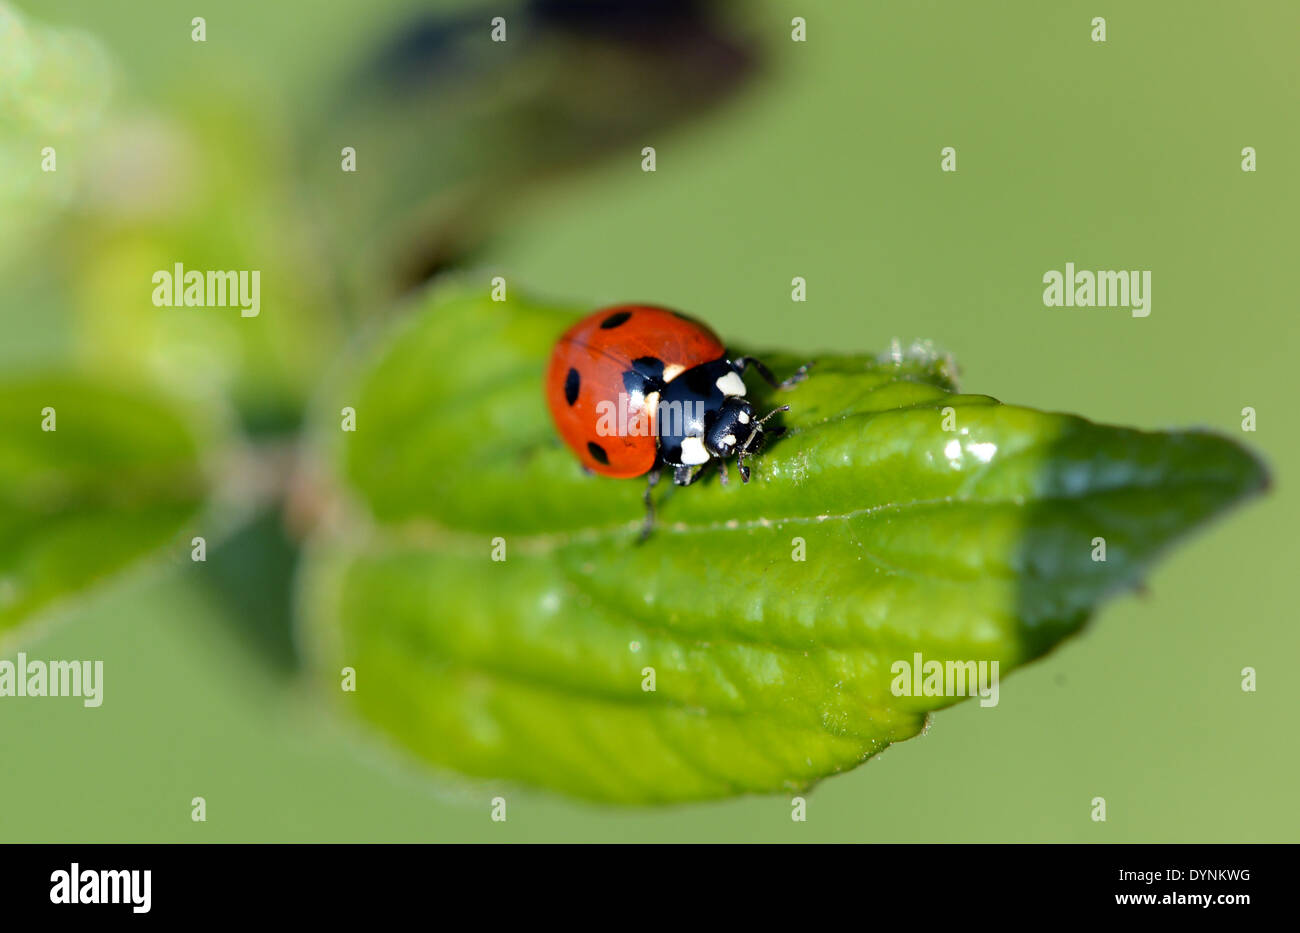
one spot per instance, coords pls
(969, 544)
(116, 478)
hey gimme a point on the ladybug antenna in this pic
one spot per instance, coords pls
(758, 424)
(744, 448)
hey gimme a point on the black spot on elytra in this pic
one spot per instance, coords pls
(571, 384)
(636, 384)
(597, 452)
(615, 320)
(649, 366)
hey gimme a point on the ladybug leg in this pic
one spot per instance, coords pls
(652, 478)
(743, 362)
(798, 376)
(722, 472)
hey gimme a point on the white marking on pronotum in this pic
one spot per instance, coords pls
(672, 371)
(693, 452)
(731, 384)
(744, 417)
(729, 439)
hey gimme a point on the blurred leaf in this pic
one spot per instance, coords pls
(158, 191)
(53, 87)
(448, 128)
(168, 192)
(967, 544)
(117, 478)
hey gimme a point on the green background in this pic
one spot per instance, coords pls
(1119, 155)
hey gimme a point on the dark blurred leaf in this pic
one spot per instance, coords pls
(969, 544)
(450, 127)
(251, 572)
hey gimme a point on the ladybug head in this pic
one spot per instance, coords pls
(736, 432)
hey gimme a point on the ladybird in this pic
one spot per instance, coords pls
(637, 390)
